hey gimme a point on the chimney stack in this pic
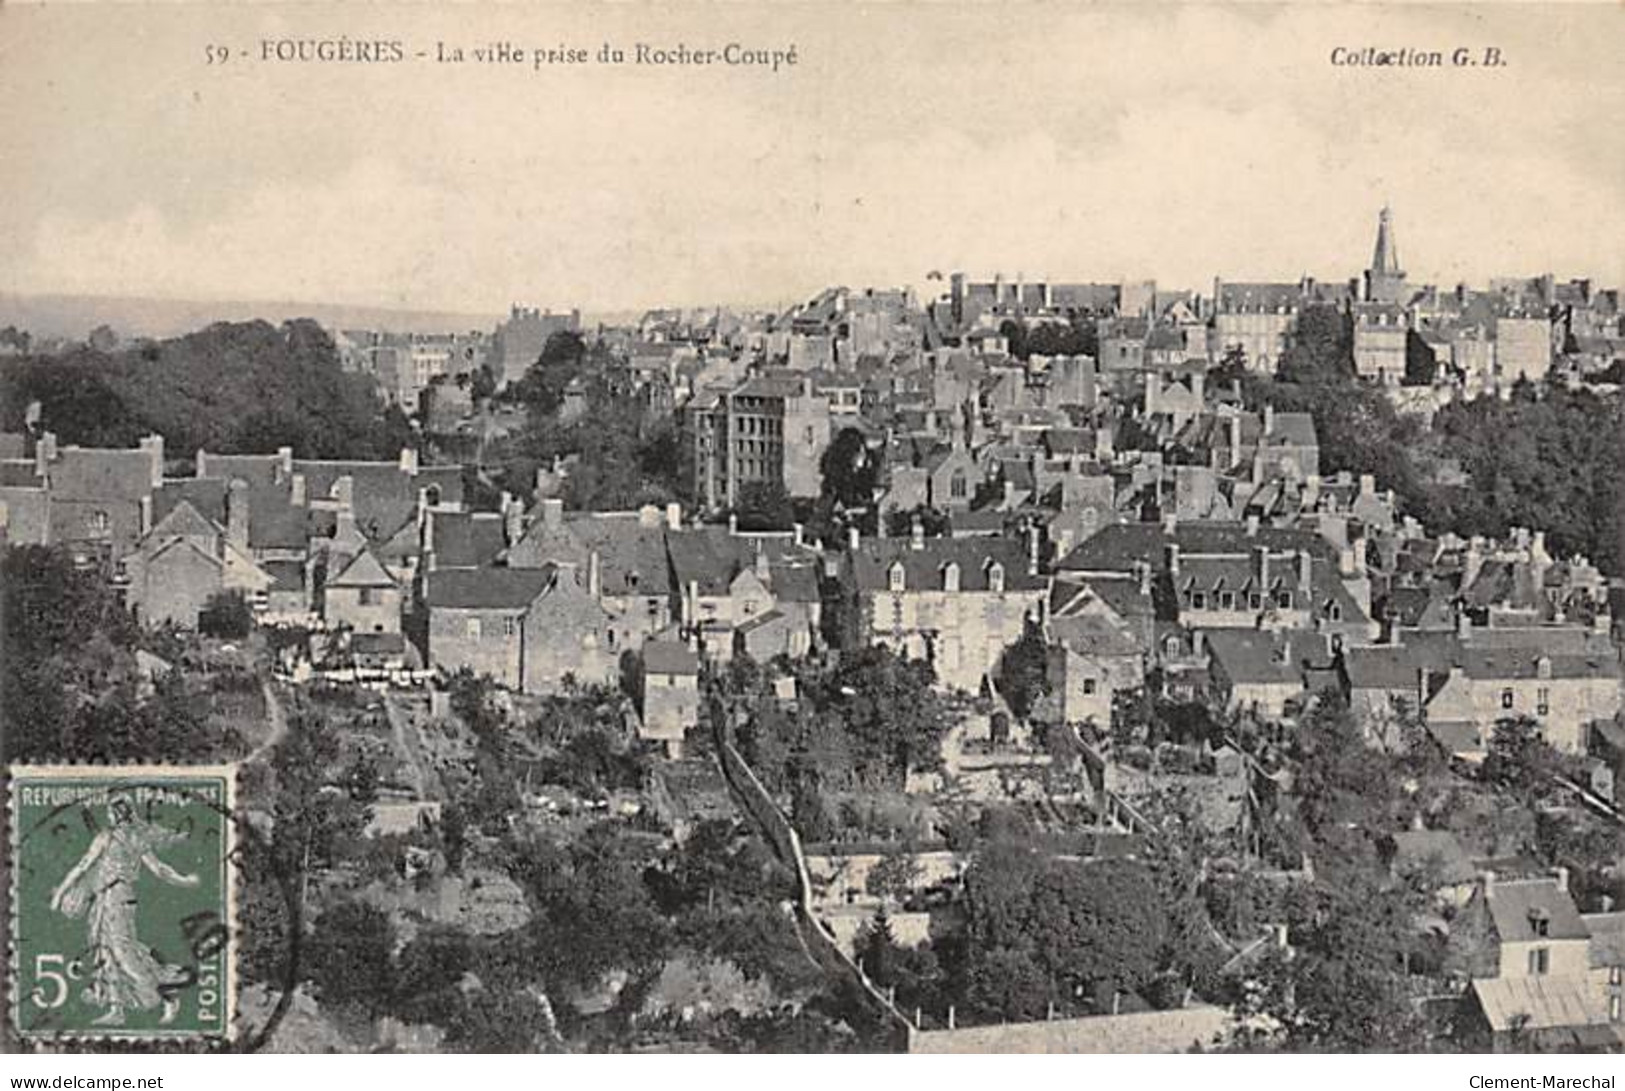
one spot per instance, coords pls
(553, 513)
(153, 445)
(44, 454)
(594, 575)
(1269, 420)
(853, 540)
(284, 468)
(409, 461)
(297, 491)
(513, 519)
(916, 535)
(1252, 524)
(764, 571)
(237, 513)
(674, 516)
(1171, 558)
(1305, 567)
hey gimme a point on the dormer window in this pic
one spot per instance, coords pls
(950, 577)
(1227, 600)
(1540, 922)
(896, 578)
(995, 578)
(1198, 600)
(1335, 612)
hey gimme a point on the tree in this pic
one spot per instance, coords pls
(226, 615)
(1024, 671)
(764, 505)
(850, 470)
(351, 957)
(889, 710)
(1520, 760)
(1015, 337)
(893, 878)
(1421, 367)
(1322, 347)
(429, 974)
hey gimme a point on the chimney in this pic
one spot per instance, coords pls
(1143, 570)
(1361, 559)
(797, 531)
(297, 494)
(237, 513)
(1486, 883)
(44, 454)
(649, 516)
(1234, 425)
(916, 535)
(153, 445)
(852, 539)
(146, 514)
(426, 534)
(1009, 494)
(594, 575)
(1464, 624)
(284, 470)
(1561, 874)
(764, 571)
(553, 513)
(1261, 570)
(1150, 393)
(1032, 551)
(733, 524)
(409, 461)
(344, 493)
(1311, 491)
(674, 516)
(1252, 524)
(1368, 484)
(1304, 570)
(1269, 420)
(1170, 523)
(1345, 562)
(1258, 468)
(513, 519)
(200, 463)
(1170, 555)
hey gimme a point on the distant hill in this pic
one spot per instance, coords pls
(133, 316)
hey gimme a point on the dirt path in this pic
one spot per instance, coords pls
(278, 718)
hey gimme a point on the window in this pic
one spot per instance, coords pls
(471, 628)
(1255, 601)
(1614, 1008)
(956, 485)
(99, 522)
(1227, 600)
(510, 626)
(1542, 926)
(367, 596)
(1335, 612)
(1198, 600)
(1616, 975)
(896, 577)
(1506, 698)
(995, 579)
(1540, 961)
(1283, 599)
(1088, 687)
(1543, 701)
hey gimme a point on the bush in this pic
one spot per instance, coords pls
(226, 615)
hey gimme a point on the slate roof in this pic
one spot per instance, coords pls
(19, 473)
(1241, 296)
(712, 557)
(466, 539)
(285, 575)
(1607, 946)
(273, 520)
(1512, 903)
(631, 556)
(669, 657)
(382, 495)
(1117, 547)
(923, 568)
(1249, 656)
(488, 588)
(363, 571)
(94, 473)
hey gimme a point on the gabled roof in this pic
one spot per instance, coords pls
(95, 473)
(712, 557)
(512, 589)
(364, 570)
(1257, 657)
(183, 520)
(1542, 1002)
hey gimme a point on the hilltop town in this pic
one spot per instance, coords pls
(1013, 665)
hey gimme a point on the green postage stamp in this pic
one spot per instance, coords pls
(121, 910)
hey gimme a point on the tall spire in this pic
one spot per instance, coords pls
(1385, 261)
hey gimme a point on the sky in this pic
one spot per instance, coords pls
(1062, 141)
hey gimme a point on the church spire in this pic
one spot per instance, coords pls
(1385, 260)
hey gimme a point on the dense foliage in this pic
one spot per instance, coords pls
(231, 387)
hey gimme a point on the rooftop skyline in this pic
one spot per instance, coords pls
(1176, 143)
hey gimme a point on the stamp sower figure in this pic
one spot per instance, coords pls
(102, 887)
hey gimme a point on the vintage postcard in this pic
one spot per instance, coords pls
(953, 528)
